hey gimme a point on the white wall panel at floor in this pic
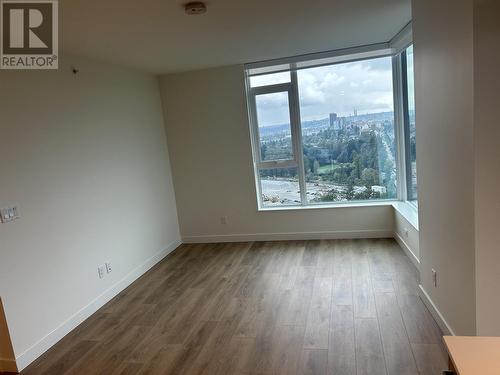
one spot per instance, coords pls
(85, 157)
(407, 235)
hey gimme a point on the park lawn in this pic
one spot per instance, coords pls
(328, 168)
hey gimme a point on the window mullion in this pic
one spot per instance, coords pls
(406, 125)
(254, 138)
(297, 135)
(254, 128)
(277, 164)
(399, 127)
(280, 87)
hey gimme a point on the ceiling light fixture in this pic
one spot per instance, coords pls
(196, 7)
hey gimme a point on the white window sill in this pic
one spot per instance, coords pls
(408, 210)
(329, 205)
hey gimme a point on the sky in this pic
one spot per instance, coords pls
(362, 85)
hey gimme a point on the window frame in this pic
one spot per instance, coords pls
(401, 126)
(295, 130)
(265, 90)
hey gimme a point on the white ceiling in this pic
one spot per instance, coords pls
(157, 36)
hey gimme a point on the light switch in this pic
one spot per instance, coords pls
(4, 213)
(9, 213)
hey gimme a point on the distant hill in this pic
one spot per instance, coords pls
(323, 123)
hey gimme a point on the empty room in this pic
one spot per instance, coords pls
(250, 187)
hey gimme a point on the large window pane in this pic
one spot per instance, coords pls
(412, 152)
(279, 187)
(273, 117)
(347, 118)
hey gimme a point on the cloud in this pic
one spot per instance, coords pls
(272, 109)
(365, 86)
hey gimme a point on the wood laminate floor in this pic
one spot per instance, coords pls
(286, 307)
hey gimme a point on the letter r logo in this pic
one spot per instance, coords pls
(27, 28)
(18, 28)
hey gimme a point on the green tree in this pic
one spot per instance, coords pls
(331, 196)
(356, 162)
(369, 177)
(349, 193)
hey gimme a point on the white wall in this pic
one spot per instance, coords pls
(487, 160)
(209, 144)
(85, 157)
(442, 32)
(406, 233)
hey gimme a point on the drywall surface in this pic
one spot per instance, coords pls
(86, 159)
(442, 33)
(209, 143)
(487, 160)
(407, 234)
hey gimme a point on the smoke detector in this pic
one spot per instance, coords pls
(196, 7)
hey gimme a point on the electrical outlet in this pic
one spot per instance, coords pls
(100, 271)
(434, 278)
(108, 267)
(223, 220)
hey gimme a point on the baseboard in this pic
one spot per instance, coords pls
(57, 334)
(436, 314)
(409, 253)
(7, 365)
(326, 235)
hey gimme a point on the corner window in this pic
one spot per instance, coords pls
(326, 133)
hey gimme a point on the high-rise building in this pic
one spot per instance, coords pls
(333, 119)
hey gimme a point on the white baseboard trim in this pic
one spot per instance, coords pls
(409, 252)
(326, 235)
(24, 359)
(7, 365)
(436, 314)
